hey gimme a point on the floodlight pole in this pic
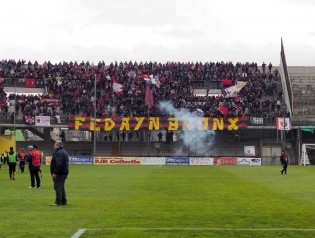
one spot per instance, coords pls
(14, 122)
(148, 136)
(284, 132)
(299, 140)
(94, 104)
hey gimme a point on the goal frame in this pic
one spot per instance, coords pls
(304, 157)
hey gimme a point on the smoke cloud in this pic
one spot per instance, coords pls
(197, 142)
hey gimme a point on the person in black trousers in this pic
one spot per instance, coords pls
(284, 161)
(1, 160)
(12, 158)
(160, 135)
(21, 158)
(34, 160)
(59, 169)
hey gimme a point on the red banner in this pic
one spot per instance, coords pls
(227, 82)
(30, 83)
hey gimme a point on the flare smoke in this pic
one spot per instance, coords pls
(198, 142)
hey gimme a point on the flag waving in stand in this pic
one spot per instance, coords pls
(117, 87)
(147, 78)
(148, 101)
(235, 89)
(224, 110)
(151, 79)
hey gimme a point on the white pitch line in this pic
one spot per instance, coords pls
(78, 233)
(81, 231)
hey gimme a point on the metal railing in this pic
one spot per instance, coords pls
(7, 119)
(64, 121)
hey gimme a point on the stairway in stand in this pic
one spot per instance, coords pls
(115, 149)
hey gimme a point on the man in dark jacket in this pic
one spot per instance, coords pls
(284, 159)
(59, 169)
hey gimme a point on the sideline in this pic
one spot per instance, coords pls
(78, 233)
(81, 231)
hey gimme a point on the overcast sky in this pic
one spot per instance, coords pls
(158, 30)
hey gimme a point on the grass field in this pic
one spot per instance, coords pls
(163, 201)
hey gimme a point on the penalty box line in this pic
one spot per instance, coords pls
(81, 231)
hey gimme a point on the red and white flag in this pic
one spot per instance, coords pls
(234, 90)
(29, 119)
(117, 87)
(152, 79)
(283, 123)
(237, 107)
(146, 77)
(148, 101)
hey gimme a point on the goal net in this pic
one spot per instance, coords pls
(308, 154)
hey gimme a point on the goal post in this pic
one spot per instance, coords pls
(308, 152)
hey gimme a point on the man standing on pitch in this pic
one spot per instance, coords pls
(59, 169)
(1, 160)
(21, 158)
(34, 159)
(284, 161)
(12, 158)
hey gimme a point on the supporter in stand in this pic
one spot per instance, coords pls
(70, 87)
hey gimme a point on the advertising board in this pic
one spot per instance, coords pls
(81, 159)
(177, 161)
(225, 161)
(98, 160)
(153, 160)
(249, 161)
(201, 161)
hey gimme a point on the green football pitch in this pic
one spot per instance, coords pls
(163, 201)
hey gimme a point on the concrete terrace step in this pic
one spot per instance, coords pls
(306, 77)
(21, 90)
(301, 70)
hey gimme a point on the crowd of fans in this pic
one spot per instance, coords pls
(69, 88)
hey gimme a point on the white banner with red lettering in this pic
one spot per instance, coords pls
(42, 121)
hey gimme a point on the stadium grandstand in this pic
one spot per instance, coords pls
(247, 105)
